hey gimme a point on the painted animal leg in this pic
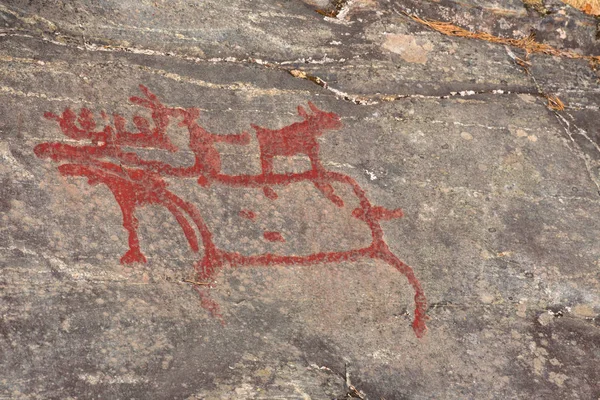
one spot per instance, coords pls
(130, 223)
(188, 231)
(211, 261)
(208, 266)
(313, 154)
(209, 304)
(206, 269)
(266, 161)
(210, 161)
(317, 168)
(418, 324)
(267, 169)
(329, 192)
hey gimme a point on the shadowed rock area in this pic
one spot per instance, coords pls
(299, 200)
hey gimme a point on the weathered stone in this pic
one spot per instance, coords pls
(499, 196)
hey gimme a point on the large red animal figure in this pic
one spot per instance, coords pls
(136, 182)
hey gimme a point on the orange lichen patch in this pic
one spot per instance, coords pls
(591, 7)
(529, 44)
(554, 103)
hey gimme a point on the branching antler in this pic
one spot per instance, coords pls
(68, 121)
(146, 137)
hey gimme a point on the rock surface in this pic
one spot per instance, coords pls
(500, 196)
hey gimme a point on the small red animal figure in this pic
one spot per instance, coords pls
(297, 138)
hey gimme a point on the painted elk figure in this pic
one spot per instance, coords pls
(135, 181)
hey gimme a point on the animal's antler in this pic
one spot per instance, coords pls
(302, 112)
(151, 101)
(146, 137)
(314, 108)
(67, 122)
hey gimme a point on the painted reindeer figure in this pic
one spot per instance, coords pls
(103, 158)
(298, 138)
(133, 180)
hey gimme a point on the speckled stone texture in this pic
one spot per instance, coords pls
(500, 196)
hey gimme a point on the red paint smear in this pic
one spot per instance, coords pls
(136, 182)
(377, 213)
(273, 237)
(270, 193)
(247, 214)
(328, 192)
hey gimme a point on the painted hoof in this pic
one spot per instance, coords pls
(133, 256)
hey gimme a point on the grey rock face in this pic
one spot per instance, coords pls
(499, 195)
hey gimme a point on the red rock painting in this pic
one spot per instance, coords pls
(103, 158)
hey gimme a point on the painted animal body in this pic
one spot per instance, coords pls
(297, 138)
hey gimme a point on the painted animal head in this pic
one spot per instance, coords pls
(322, 119)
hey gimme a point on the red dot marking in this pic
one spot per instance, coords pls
(247, 214)
(274, 237)
(270, 193)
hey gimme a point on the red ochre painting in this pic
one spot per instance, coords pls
(103, 159)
